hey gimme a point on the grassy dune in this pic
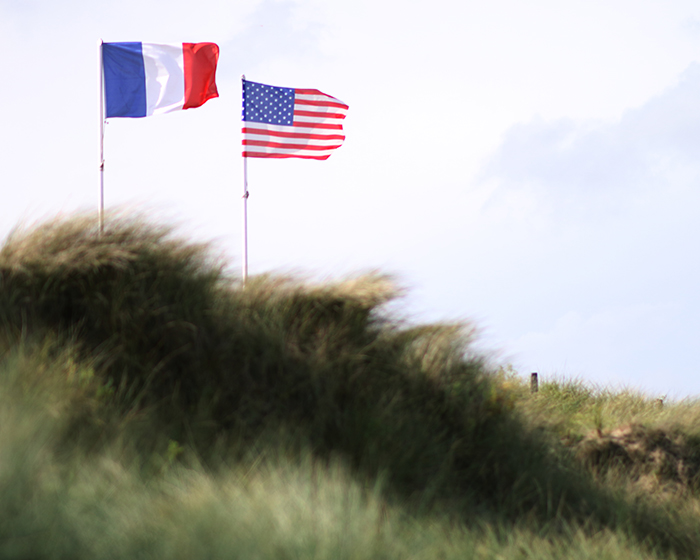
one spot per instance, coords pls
(152, 407)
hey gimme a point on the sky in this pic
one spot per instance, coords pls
(530, 168)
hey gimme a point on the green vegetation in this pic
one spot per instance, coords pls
(153, 407)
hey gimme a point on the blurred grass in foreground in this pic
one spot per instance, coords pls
(150, 406)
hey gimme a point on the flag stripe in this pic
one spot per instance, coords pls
(306, 128)
(318, 114)
(165, 78)
(124, 80)
(300, 101)
(277, 134)
(312, 131)
(268, 144)
(289, 152)
(297, 140)
(311, 124)
(279, 155)
(200, 61)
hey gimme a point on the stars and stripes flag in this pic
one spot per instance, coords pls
(283, 122)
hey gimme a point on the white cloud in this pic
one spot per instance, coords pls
(614, 293)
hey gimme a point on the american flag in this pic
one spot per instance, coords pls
(283, 122)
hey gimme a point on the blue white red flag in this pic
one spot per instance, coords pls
(283, 122)
(144, 79)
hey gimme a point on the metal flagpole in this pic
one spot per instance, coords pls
(245, 204)
(101, 205)
(245, 219)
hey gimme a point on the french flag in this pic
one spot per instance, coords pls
(144, 79)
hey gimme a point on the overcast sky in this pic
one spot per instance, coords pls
(531, 167)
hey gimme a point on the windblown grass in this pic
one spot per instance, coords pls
(154, 406)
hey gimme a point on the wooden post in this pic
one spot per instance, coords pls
(533, 383)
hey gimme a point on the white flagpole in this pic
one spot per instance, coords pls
(101, 205)
(245, 206)
(245, 219)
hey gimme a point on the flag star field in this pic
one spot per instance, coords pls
(268, 104)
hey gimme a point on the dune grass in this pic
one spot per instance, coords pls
(152, 406)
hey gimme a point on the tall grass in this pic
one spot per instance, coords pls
(55, 504)
(281, 419)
